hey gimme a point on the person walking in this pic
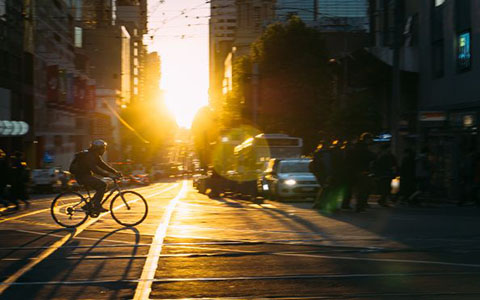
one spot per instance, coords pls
(320, 167)
(407, 174)
(348, 177)
(384, 168)
(4, 170)
(327, 199)
(422, 176)
(362, 160)
(19, 177)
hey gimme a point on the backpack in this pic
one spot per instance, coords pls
(78, 160)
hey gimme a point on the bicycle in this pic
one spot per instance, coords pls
(71, 209)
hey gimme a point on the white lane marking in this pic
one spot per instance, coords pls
(55, 246)
(144, 286)
(273, 277)
(28, 214)
(428, 262)
(393, 260)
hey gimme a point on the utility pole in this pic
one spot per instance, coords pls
(396, 80)
(255, 83)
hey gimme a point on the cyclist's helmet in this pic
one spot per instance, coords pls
(99, 145)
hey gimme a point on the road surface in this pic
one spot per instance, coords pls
(191, 246)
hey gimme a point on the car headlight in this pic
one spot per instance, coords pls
(290, 182)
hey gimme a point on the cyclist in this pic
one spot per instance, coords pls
(89, 162)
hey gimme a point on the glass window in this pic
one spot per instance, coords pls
(437, 59)
(294, 167)
(464, 56)
(3, 9)
(78, 37)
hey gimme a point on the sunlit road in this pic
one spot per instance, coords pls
(191, 246)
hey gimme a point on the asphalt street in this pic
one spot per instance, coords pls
(191, 246)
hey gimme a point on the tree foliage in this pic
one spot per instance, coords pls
(293, 92)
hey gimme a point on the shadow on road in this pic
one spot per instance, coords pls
(58, 268)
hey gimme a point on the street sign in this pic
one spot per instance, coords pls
(430, 116)
(13, 128)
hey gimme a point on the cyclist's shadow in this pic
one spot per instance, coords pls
(94, 273)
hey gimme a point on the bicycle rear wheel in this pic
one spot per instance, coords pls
(129, 208)
(67, 209)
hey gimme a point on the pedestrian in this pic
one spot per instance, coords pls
(423, 170)
(348, 177)
(384, 168)
(362, 161)
(327, 199)
(407, 174)
(19, 177)
(320, 167)
(3, 178)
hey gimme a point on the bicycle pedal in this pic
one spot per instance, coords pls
(94, 214)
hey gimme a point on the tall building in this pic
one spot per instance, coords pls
(108, 49)
(16, 103)
(304, 9)
(343, 8)
(252, 18)
(222, 25)
(133, 15)
(63, 90)
(342, 15)
(449, 70)
(152, 77)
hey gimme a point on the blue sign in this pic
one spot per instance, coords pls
(464, 56)
(48, 157)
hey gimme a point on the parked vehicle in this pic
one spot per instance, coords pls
(253, 155)
(287, 178)
(46, 180)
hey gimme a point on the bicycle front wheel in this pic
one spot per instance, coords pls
(129, 208)
(67, 209)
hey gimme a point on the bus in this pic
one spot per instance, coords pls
(254, 153)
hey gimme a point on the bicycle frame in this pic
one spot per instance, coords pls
(111, 191)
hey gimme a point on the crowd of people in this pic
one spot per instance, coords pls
(14, 178)
(347, 170)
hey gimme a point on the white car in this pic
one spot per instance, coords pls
(46, 179)
(288, 178)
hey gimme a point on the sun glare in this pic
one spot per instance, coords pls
(185, 81)
(183, 49)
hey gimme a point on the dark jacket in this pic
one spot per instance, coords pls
(385, 165)
(91, 163)
(3, 172)
(362, 158)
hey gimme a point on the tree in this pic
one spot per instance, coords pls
(205, 128)
(294, 95)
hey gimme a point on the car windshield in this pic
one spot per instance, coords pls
(294, 166)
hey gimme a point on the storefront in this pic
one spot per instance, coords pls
(450, 137)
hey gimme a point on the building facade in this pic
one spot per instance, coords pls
(63, 91)
(449, 101)
(222, 26)
(16, 103)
